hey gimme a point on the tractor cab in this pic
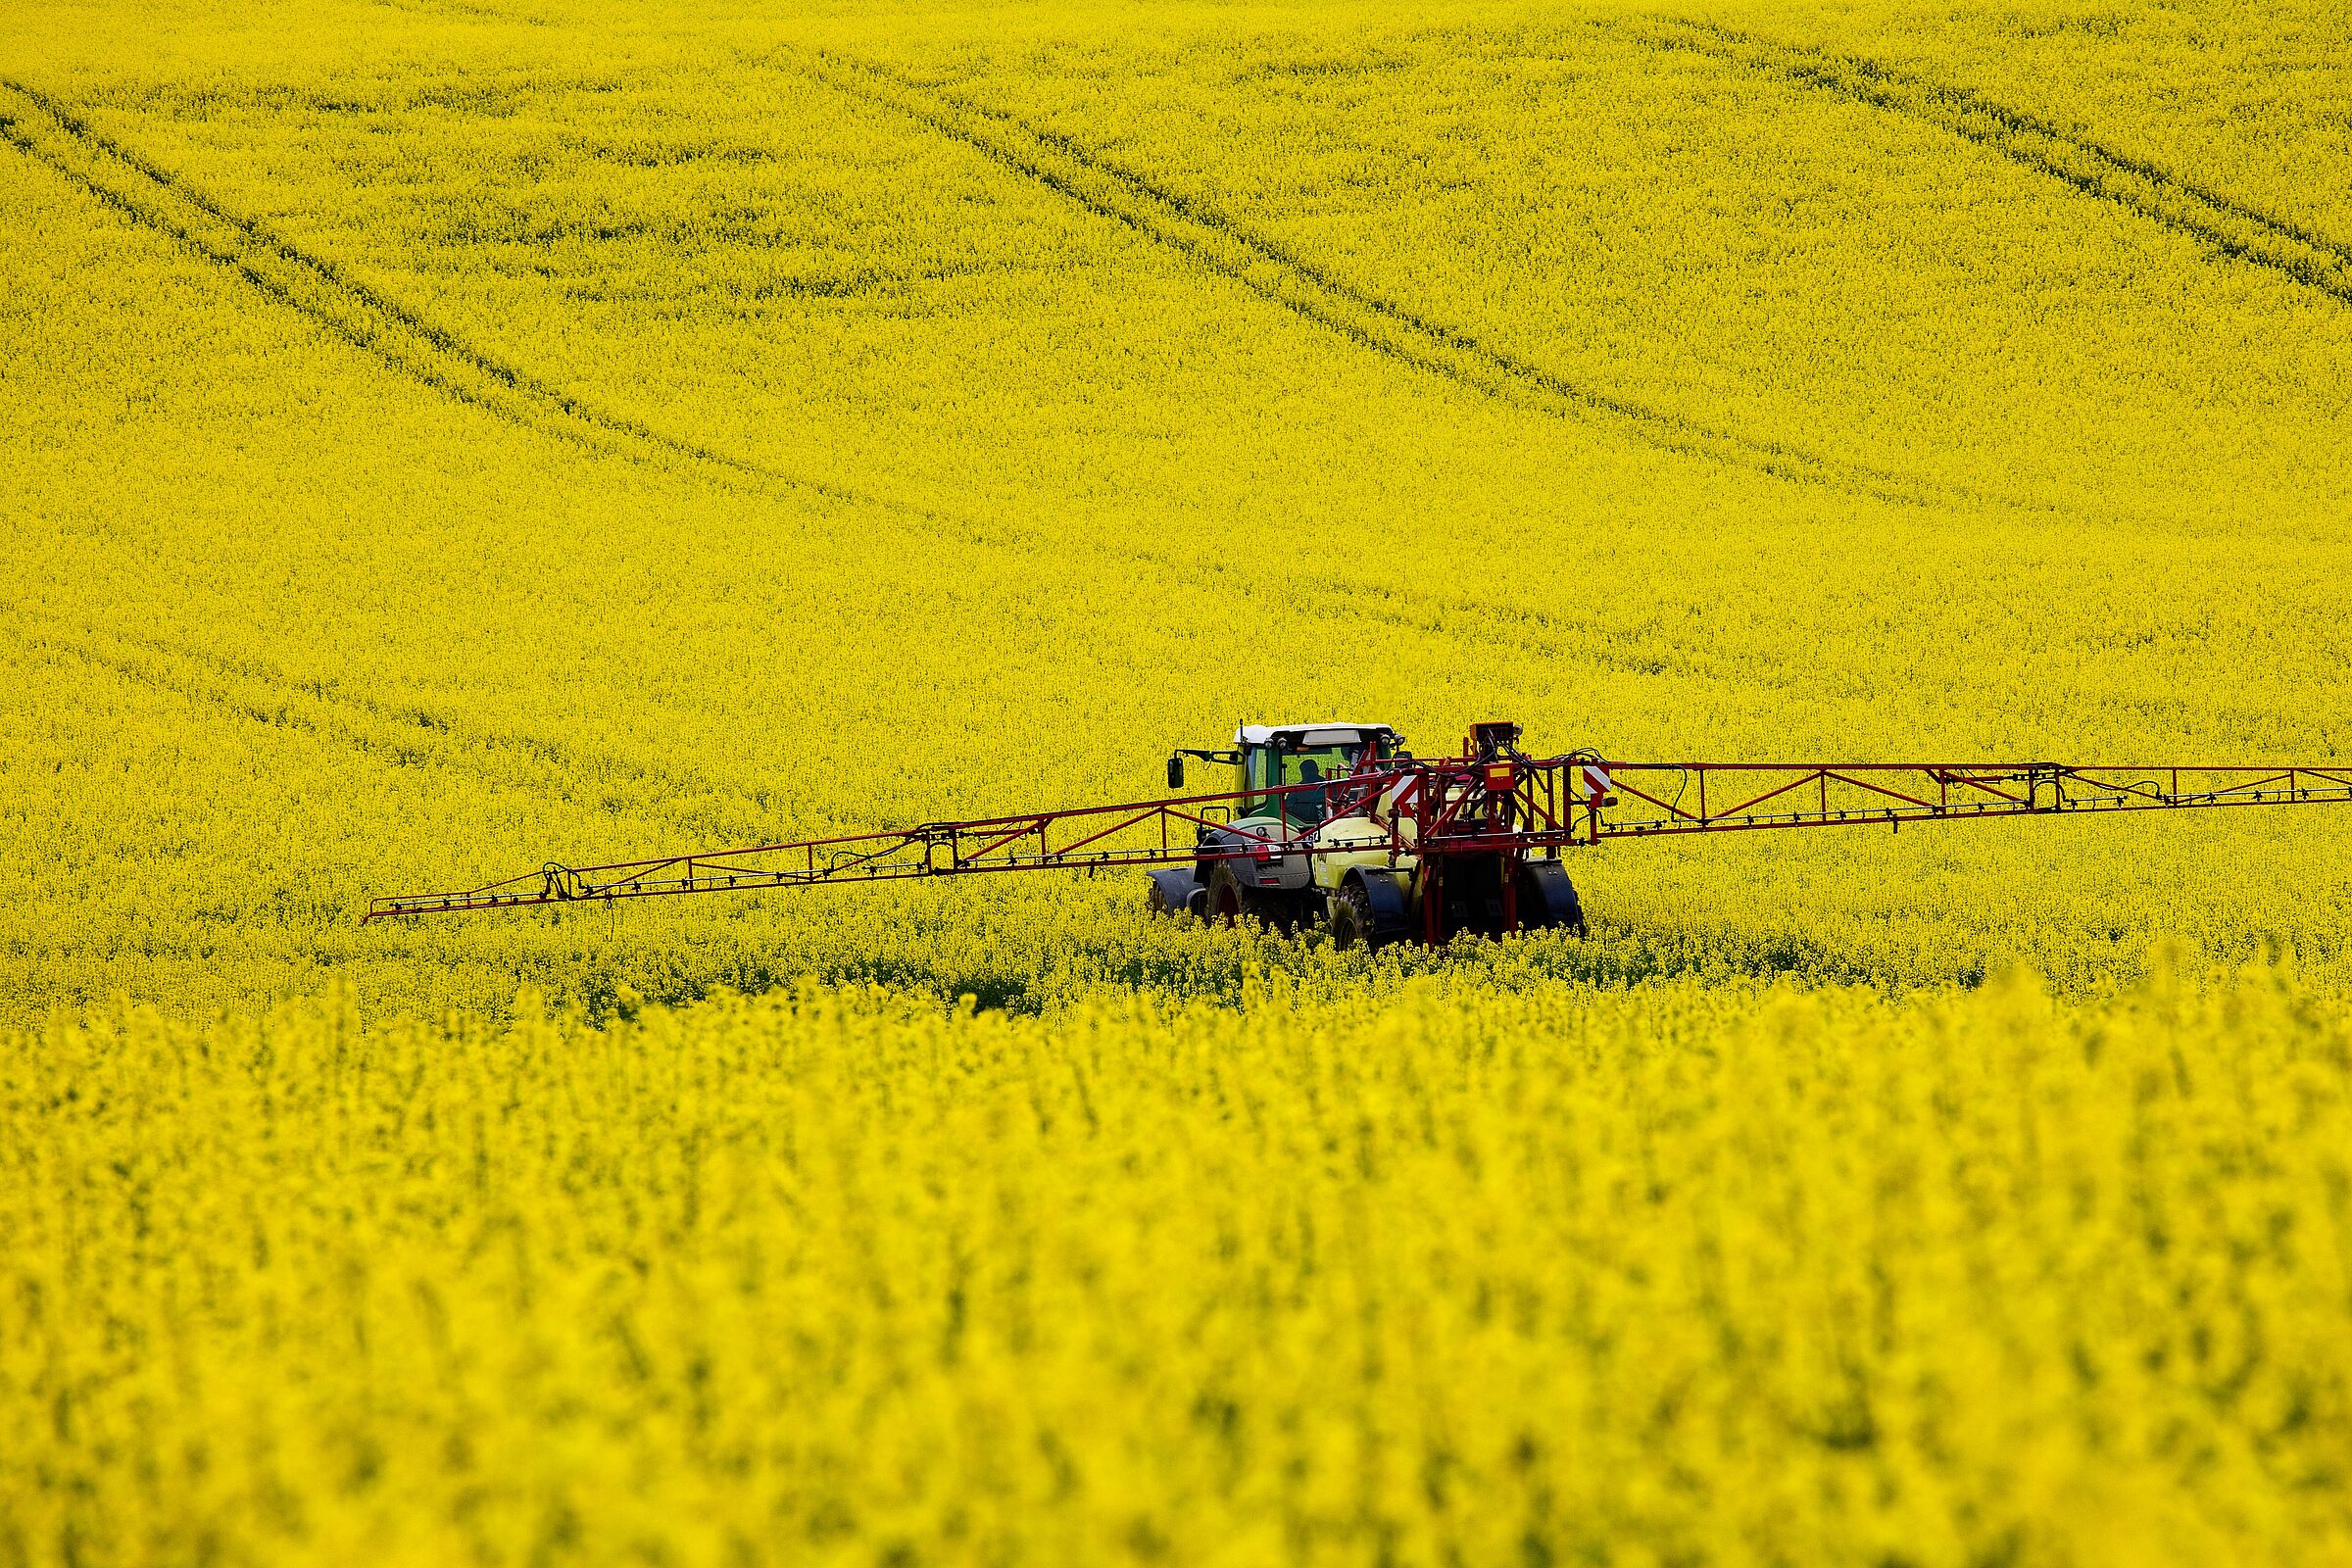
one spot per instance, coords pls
(1271, 757)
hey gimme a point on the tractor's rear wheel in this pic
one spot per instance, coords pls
(1548, 900)
(1351, 917)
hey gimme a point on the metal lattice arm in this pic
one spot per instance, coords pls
(1647, 800)
(1507, 805)
(1142, 833)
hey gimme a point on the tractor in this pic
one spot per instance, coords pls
(1351, 866)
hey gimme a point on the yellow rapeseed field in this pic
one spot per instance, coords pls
(441, 437)
(1686, 1273)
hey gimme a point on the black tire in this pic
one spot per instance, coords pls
(1351, 917)
(1372, 908)
(1548, 900)
(1228, 900)
(1174, 892)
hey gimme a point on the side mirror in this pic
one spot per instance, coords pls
(1175, 773)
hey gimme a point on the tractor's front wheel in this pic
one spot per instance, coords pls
(1175, 892)
(1228, 900)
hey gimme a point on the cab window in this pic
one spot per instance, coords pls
(1315, 765)
(1256, 772)
(1268, 767)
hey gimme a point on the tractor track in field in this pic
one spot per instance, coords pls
(355, 312)
(1311, 291)
(367, 318)
(1519, 627)
(436, 357)
(404, 735)
(2233, 228)
(411, 343)
(401, 337)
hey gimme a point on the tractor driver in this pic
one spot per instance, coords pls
(1310, 806)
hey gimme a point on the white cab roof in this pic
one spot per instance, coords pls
(1333, 733)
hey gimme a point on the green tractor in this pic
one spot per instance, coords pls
(1363, 880)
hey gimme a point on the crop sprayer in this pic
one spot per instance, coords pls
(1339, 825)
